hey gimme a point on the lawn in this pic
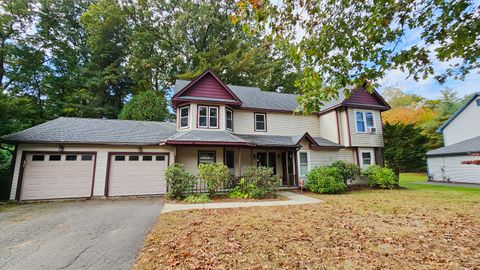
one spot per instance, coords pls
(416, 227)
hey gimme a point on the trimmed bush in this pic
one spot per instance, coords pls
(325, 179)
(214, 175)
(380, 177)
(179, 181)
(348, 171)
(263, 179)
(244, 190)
(197, 198)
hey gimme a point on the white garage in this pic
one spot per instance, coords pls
(57, 175)
(449, 168)
(137, 174)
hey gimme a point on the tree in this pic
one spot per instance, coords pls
(107, 31)
(340, 44)
(404, 147)
(148, 105)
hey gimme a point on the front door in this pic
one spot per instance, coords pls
(230, 161)
(267, 159)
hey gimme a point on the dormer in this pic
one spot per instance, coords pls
(205, 103)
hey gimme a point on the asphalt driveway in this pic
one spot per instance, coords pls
(96, 234)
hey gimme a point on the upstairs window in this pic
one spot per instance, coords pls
(207, 117)
(364, 121)
(260, 122)
(229, 119)
(478, 102)
(184, 117)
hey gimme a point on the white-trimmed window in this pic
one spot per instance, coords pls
(207, 117)
(260, 121)
(303, 163)
(366, 158)
(478, 102)
(364, 121)
(228, 119)
(184, 112)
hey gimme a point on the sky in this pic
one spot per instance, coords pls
(430, 88)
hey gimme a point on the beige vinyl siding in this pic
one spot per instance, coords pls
(285, 124)
(366, 139)
(188, 156)
(465, 126)
(453, 169)
(101, 160)
(328, 126)
(344, 128)
(326, 156)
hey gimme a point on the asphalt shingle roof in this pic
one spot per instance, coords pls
(463, 147)
(96, 131)
(128, 132)
(206, 136)
(253, 97)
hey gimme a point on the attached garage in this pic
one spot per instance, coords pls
(57, 175)
(131, 174)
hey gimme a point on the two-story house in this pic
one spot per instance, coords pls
(461, 136)
(239, 126)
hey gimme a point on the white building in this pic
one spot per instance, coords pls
(461, 135)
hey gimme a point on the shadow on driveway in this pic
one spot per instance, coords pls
(94, 234)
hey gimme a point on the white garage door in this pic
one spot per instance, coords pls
(57, 175)
(135, 174)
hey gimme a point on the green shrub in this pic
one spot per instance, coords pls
(246, 190)
(179, 181)
(325, 179)
(197, 198)
(263, 179)
(380, 177)
(348, 171)
(214, 175)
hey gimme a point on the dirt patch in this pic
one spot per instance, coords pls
(394, 229)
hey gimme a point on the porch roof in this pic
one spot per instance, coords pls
(208, 137)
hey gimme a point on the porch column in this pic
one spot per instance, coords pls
(239, 161)
(295, 163)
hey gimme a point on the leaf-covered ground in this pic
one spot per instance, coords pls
(419, 227)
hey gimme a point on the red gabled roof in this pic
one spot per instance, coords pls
(206, 87)
(361, 96)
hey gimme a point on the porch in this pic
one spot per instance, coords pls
(283, 161)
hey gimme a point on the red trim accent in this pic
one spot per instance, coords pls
(348, 124)
(255, 121)
(338, 126)
(208, 71)
(109, 157)
(208, 117)
(312, 141)
(24, 156)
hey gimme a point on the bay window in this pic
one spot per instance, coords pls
(364, 121)
(184, 111)
(229, 119)
(207, 117)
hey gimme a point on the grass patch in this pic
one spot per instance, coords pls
(427, 227)
(8, 206)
